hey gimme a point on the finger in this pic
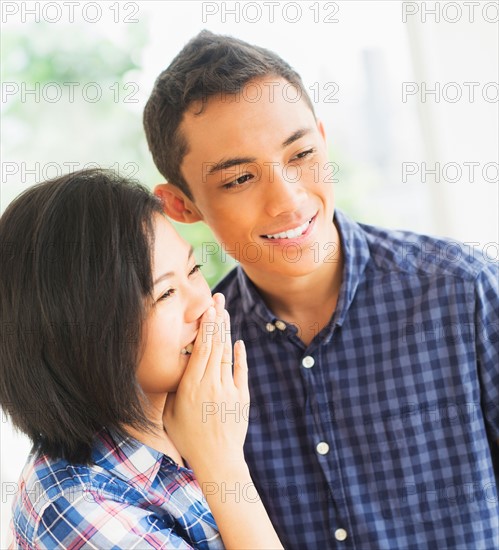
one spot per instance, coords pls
(241, 367)
(213, 367)
(226, 364)
(201, 351)
(168, 409)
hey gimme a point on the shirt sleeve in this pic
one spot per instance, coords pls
(104, 524)
(487, 343)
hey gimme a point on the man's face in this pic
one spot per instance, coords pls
(259, 174)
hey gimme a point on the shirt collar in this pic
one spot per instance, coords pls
(251, 300)
(356, 255)
(127, 458)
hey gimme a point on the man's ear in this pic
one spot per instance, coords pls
(176, 204)
(320, 127)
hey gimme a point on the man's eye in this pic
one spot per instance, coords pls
(195, 269)
(304, 154)
(238, 182)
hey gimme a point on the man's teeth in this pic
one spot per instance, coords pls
(187, 350)
(291, 233)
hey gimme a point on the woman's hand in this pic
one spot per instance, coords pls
(207, 420)
(207, 417)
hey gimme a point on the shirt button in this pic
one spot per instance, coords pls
(281, 325)
(308, 362)
(340, 534)
(322, 448)
(270, 327)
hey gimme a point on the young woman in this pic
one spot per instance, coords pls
(117, 362)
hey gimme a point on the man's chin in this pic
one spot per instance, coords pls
(284, 267)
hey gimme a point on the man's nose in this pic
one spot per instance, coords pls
(284, 192)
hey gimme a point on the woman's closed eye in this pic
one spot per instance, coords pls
(196, 269)
(168, 294)
(171, 291)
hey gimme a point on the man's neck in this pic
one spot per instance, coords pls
(308, 301)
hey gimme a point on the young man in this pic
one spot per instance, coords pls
(374, 369)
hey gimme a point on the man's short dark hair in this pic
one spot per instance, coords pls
(74, 285)
(207, 66)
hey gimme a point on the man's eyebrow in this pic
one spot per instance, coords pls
(236, 161)
(229, 163)
(171, 273)
(295, 136)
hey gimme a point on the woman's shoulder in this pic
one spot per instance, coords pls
(43, 479)
(111, 474)
(45, 482)
(128, 492)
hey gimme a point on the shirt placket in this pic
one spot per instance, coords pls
(325, 441)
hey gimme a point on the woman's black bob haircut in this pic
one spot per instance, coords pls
(75, 280)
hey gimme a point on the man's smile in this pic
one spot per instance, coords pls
(294, 232)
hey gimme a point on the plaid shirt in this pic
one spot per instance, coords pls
(381, 434)
(134, 497)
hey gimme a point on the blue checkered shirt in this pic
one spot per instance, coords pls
(133, 497)
(381, 434)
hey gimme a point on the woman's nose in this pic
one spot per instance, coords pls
(199, 300)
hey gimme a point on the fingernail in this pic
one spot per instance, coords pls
(219, 298)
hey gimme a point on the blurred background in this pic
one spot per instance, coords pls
(408, 93)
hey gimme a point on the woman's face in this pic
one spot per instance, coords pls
(180, 297)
